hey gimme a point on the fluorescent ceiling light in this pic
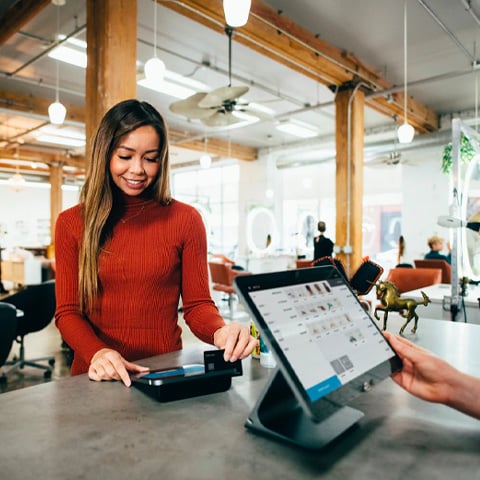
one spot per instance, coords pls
(297, 128)
(67, 142)
(168, 88)
(245, 116)
(65, 132)
(174, 85)
(261, 108)
(73, 56)
(187, 81)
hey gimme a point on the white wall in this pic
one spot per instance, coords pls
(420, 185)
(426, 192)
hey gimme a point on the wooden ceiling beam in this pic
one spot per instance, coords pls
(20, 13)
(39, 106)
(29, 154)
(215, 146)
(279, 38)
(28, 104)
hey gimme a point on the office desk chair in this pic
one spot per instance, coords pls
(433, 263)
(407, 279)
(222, 275)
(38, 305)
(8, 328)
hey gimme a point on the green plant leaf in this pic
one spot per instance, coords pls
(467, 152)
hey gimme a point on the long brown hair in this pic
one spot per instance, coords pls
(97, 195)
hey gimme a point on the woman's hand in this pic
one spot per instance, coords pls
(235, 338)
(108, 364)
(423, 374)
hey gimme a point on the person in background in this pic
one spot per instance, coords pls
(127, 253)
(322, 246)
(435, 244)
(430, 378)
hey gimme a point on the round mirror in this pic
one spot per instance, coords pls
(307, 227)
(261, 230)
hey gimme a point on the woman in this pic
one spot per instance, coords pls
(127, 252)
(435, 243)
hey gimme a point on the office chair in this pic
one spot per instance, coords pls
(433, 263)
(8, 328)
(407, 279)
(37, 302)
(222, 275)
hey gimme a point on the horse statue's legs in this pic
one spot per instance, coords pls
(385, 315)
(410, 313)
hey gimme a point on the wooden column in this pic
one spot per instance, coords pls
(56, 197)
(349, 176)
(112, 56)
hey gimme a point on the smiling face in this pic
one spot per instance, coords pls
(135, 162)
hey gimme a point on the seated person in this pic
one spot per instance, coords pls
(435, 244)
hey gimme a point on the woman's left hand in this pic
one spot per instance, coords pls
(235, 338)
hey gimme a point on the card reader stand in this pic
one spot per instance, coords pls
(187, 387)
(216, 377)
(278, 414)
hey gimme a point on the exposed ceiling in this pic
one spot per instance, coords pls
(442, 38)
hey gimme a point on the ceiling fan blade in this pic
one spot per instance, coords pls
(221, 119)
(189, 107)
(217, 97)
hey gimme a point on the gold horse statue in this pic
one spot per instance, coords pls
(391, 301)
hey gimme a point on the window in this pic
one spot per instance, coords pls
(214, 192)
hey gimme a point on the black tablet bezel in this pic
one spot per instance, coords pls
(315, 409)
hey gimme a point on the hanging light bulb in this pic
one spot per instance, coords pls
(205, 159)
(57, 111)
(405, 132)
(16, 181)
(236, 12)
(154, 68)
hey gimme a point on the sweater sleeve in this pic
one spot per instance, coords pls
(75, 329)
(200, 312)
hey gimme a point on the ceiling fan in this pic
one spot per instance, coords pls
(220, 107)
(394, 157)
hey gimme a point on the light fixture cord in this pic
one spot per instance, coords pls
(155, 28)
(57, 85)
(405, 61)
(476, 88)
(229, 32)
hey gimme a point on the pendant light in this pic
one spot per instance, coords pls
(405, 132)
(57, 111)
(16, 181)
(236, 12)
(205, 159)
(154, 68)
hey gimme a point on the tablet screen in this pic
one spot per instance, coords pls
(322, 336)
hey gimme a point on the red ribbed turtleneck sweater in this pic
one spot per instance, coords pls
(156, 254)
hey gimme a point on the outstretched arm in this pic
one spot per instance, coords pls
(430, 378)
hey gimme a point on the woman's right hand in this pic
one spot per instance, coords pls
(423, 374)
(108, 364)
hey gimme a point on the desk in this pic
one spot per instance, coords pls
(470, 309)
(77, 429)
(22, 272)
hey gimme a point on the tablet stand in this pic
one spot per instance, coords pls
(279, 414)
